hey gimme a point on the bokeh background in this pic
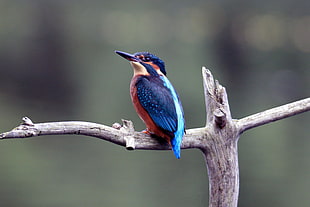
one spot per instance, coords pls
(57, 62)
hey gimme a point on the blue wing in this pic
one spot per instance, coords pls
(158, 101)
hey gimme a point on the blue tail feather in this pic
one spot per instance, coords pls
(176, 145)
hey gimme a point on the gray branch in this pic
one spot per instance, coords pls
(123, 135)
(217, 140)
(273, 114)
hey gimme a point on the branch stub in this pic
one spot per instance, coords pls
(27, 121)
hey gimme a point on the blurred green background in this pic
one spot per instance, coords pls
(57, 62)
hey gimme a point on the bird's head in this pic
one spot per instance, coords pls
(144, 62)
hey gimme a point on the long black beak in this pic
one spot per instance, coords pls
(127, 56)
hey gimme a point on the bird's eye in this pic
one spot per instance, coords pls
(143, 58)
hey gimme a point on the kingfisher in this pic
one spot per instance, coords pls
(155, 100)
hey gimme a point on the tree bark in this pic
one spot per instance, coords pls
(217, 140)
(220, 147)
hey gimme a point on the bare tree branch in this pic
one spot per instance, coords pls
(120, 136)
(273, 114)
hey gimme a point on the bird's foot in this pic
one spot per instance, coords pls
(146, 132)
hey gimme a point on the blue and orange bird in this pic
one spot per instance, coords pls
(155, 100)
